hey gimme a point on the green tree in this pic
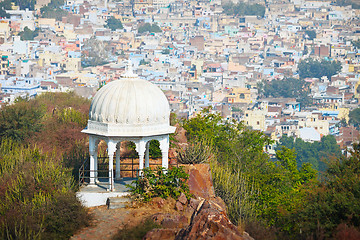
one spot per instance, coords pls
(311, 34)
(354, 3)
(155, 28)
(143, 62)
(312, 153)
(27, 34)
(333, 202)
(310, 68)
(154, 149)
(356, 44)
(56, 4)
(165, 51)
(20, 121)
(354, 117)
(242, 9)
(51, 12)
(147, 27)
(288, 88)
(23, 4)
(113, 23)
(5, 5)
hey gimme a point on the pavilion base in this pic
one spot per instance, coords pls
(96, 194)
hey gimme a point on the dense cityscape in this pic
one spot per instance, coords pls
(199, 54)
(249, 109)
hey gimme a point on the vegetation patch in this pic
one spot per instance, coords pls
(282, 198)
(37, 195)
(242, 9)
(160, 183)
(41, 149)
(136, 232)
(197, 151)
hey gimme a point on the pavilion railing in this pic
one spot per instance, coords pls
(129, 167)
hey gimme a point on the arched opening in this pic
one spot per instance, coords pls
(154, 149)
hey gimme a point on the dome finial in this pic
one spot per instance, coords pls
(129, 71)
(129, 67)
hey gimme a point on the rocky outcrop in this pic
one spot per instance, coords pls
(200, 181)
(208, 213)
(209, 221)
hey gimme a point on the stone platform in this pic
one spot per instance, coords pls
(96, 195)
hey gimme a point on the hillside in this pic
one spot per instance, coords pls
(40, 147)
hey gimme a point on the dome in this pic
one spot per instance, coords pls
(129, 107)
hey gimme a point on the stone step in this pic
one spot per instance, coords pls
(118, 202)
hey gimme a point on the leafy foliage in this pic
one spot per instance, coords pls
(154, 149)
(237, 190)
(310, 68)
(143, 62)
(356, 44)
(159, 183)
(195, 152)
(354, 116)
(57, 13)
(165, 51)
(53, 10)
(313, 153)
(354, 4)
(27, 34)
(20, 121)
(333, 202)
(5, 5)
(287, 88)
(311, 34)
(113, 23)
(242, 9)
(147, 27)
(23, 4)
(253, 187)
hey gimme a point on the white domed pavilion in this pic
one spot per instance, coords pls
(128, 109)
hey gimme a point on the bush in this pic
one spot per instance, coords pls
(20, 121)
(237, 191)
(64, 216)
(36, 195)
(160, 183)
(196, 152)
(137, 232)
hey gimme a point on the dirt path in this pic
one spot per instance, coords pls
(106, 222)
(104, 225)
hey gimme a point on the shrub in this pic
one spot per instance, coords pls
(160, 183)
(137, 232)
(63, 216)
(198, 151)
(237, 191)
(36, 195)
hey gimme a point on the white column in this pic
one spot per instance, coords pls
(111, 150)
(96, 160)
(140, 148)
(147, 163)
(164, 147)
(165, 159)
(117, 177)
(92, 159)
